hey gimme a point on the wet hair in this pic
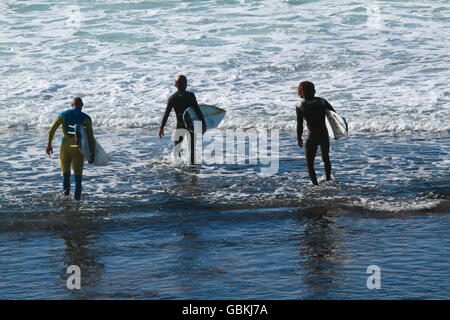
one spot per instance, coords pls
(181, 82)
(308, 90)
(77, 102)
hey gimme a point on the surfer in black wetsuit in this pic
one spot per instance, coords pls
(180, 101)
(312, 109)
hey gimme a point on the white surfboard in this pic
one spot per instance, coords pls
(101, 157)
(213, 116)
(336, 125)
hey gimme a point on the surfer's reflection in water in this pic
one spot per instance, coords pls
(312, 109)
(81, 236)
(321, 251)
(180, 101)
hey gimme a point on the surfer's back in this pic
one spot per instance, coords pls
(313, 111)
(72, 117)
(180, 101)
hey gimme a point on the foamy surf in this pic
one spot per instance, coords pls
(383, 74)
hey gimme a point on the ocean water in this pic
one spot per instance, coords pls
(149, 227)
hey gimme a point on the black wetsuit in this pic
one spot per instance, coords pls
(313, 111)
(180, 101)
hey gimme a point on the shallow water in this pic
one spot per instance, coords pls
(149, 227)
(386, 173)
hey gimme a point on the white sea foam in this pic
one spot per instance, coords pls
(382, 65)
(396, 205)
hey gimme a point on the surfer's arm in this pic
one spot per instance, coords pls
(166, 114)
(53, 128)
(299, 124)
(87, 123)
(198, 112)
(51, 134)
(328, 106)
(165, 117)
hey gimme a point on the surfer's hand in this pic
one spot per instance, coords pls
(300, 143)
(91, 160)
(49, 150)
(161, 133)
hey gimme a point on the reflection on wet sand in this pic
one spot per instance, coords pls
(81, 237)
(322, 253)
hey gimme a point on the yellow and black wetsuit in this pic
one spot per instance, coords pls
(313, 111)
(70, 155)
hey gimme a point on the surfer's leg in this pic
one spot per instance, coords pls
(310, 154)
(180, 140)
(78, 187)
(325, 151)
(192, 146)
(77, 166)
(177, 147)
(64, 163)
(66, 183)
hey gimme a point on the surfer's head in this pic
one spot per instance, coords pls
(306, 90)
(77, 102)
(181, 82)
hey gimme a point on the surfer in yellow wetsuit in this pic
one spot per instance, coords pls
(70, 155)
